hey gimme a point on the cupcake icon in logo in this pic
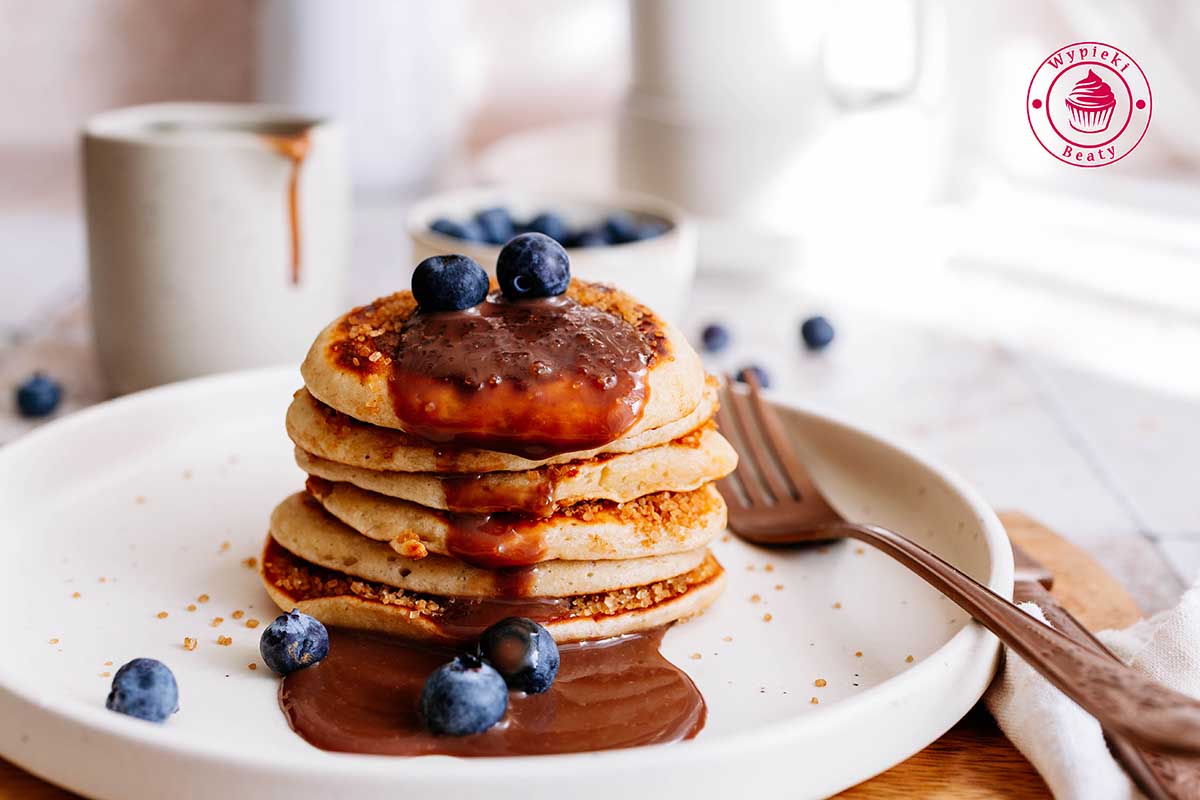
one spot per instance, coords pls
(1091, 104)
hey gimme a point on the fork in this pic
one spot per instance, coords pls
(1160, 776)
(773, 502)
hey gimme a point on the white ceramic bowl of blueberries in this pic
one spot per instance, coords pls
(644, 245)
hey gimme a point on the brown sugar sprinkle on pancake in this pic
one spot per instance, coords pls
(302, 526)
(654, 524)
(534, 378)
(531, 377)
(340, 599)
(378, 326)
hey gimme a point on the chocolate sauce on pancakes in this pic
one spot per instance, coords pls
(489, 541)
(363, 698)
(535, 378)
(495, 541)
(479, 494)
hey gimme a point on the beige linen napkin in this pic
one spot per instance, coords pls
(1062, 741)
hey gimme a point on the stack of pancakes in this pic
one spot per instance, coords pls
(437, 539)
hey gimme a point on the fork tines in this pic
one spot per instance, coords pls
(768, 473)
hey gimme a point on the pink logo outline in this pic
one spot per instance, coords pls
(1055, 120)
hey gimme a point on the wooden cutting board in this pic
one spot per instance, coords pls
(973, 761)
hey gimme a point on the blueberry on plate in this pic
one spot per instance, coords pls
(551, 225)
(620, 228)
(588, 237)
(715, 337)
(523, 652)
(496, 225)
(533, 265)
(760, 375)
(467, 231)
(293, 641)
(144, 688)
(817, 333)
(449, 283)
(38, 396)
(463, 697)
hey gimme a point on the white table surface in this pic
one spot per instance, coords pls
(1108, 463)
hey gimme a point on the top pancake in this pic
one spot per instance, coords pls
(350, 365)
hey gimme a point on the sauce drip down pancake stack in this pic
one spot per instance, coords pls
(551, 458)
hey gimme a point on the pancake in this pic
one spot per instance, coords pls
(351, 367)
(334, 436)
(682, 465)
(337, 599)
(654, 524)
(306, 530)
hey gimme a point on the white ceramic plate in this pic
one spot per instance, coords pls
(129, 504)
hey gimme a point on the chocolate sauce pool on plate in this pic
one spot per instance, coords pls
(363, 698)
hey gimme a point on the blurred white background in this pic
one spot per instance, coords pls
(938, 206)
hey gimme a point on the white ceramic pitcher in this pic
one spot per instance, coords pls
(728, 104)
(218, 237)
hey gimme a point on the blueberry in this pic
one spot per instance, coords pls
(760, 374)
(496, 224)
(649, 230)
(817, 333)
(144, 688)
(589, 237)
(463, 697)
(293, 641)
(715, 337)
(38, 396)
(457, 230)
(551, 225)
(449, 283)
(620, 228)
(523, 652)
(533, 265)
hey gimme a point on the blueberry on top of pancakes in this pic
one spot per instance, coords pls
(533, 265)
(449, 283)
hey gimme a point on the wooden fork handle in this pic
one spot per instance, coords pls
(1122, 699)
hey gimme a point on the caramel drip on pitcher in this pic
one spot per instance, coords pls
(295, 148)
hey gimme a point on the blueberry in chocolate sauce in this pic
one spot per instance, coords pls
(533, 265)
(551, 225)
(817, 333)
(449, 283)
(38, 396)
(523, 652)
(293, 641)
(144, 688)
(496, 225)
(463, 697)
(715, 337)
